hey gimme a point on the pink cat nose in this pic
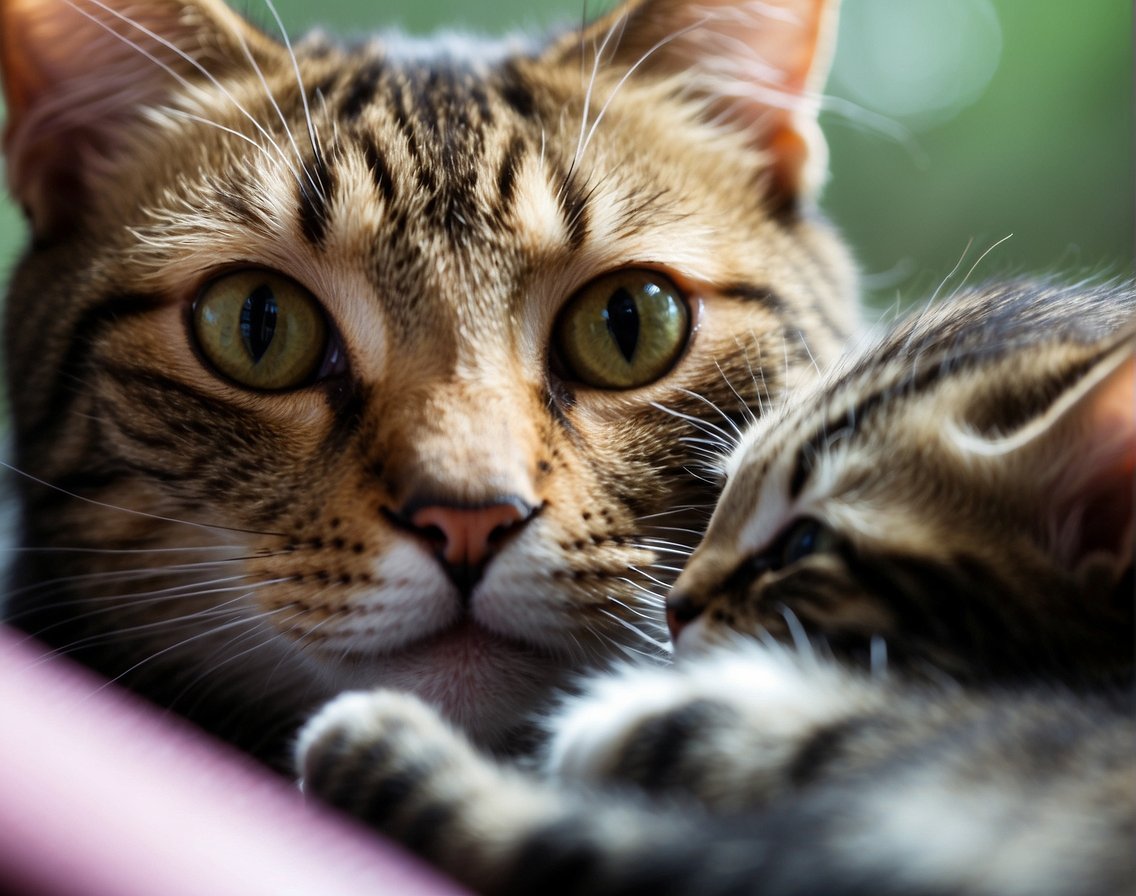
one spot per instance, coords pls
(469, 532)
(466, 538)
(682, 610)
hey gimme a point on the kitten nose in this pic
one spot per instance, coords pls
(468, 537)
(681, 610)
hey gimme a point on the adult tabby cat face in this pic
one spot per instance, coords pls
(963, 491)
(355, 365)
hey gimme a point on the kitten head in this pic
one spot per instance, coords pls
(961, 492)
(336, 366)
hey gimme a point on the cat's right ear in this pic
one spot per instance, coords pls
(756, 65)
(77, 72)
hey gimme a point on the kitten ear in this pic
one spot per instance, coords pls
(758, 64)
(1085, 450)
(77, 71)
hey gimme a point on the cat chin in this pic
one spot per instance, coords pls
(482, 683)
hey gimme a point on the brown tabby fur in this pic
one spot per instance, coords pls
(229, 552)
(974, 472)
(994, 541)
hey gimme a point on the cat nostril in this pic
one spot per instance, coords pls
(465, 537)
(469, 533)
(681, 610)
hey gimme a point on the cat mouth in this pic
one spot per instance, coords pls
(483, 682)
(469, 637)
(464, 641)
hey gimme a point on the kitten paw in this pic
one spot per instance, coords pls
(722, 728)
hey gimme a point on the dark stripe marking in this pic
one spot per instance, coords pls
(315, 204)
(84, 335)
(660, 750)
(507, 174)
(824, 748)
(377, 165)
(573, 203)
(361, 91)
(516, 93)
(132, 377)
(752, 292)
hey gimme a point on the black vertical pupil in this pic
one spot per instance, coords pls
(623, 322)
(258, 321)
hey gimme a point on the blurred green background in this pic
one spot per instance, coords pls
(953, 125)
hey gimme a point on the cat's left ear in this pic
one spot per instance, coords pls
(78, 73)
(757, 64)
(1083, 453)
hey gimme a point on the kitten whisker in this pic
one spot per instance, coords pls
(797, 633)
(946, 279)
(267, 640)
(878, 657)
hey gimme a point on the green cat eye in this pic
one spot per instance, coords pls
(261, 330)
(623, 330)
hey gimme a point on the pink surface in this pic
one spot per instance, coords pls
(100, 795)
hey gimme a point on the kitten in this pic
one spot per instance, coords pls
(338, 366)
(967, 480)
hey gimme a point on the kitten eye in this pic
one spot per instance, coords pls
(261, 330)
(804, 538)
(623, 330)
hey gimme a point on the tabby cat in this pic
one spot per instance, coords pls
(905, 650)
(338, 366)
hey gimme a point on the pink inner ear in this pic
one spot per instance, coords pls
(76, 71)
(1099, 485)
(71, 74)
(768, 60)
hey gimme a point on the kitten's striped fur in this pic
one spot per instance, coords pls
(956, 760)
(240, 554)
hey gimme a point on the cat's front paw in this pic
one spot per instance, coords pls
(372, 754)
(391, 761)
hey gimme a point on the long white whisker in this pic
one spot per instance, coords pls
(658, 645)
(626, 75)
(127, 510)
(313, 136)
(705, 425)
(173, 73)
(242, 620)
(597, 61)
(106, 577)
(279, 112)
